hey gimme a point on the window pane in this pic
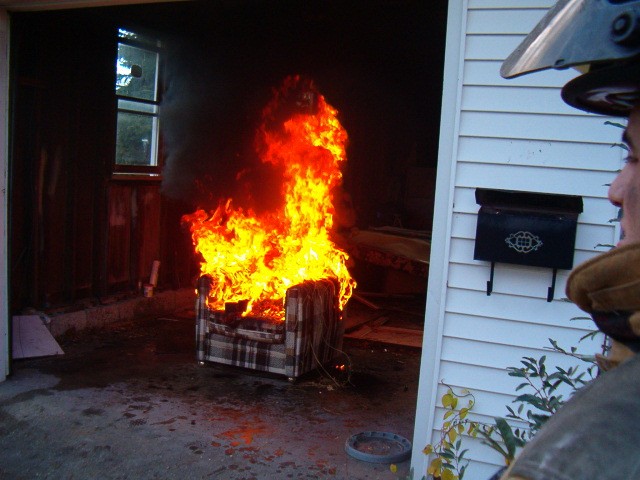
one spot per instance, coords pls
(136, 72)
(137, 139)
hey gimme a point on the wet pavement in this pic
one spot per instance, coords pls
(130, 402)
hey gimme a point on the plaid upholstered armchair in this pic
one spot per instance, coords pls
(310, 336)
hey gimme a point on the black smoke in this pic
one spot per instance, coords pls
(378, 62)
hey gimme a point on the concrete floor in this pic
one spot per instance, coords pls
(128, 401)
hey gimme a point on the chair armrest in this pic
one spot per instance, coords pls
(313, 325)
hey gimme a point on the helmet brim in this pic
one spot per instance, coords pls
(572, 33)
(609, 91)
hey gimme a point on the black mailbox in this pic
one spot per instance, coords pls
(526, 228)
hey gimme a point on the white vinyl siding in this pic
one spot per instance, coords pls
(514, 135)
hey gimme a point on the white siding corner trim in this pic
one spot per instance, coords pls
(440, 240)
(514, 135)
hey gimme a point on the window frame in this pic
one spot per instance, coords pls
(153, 44)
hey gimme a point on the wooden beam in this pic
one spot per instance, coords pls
(40, 5)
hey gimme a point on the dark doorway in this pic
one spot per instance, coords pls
(79, 232)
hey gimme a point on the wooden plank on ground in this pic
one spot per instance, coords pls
(392, 335)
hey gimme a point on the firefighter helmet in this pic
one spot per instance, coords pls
(600, 38)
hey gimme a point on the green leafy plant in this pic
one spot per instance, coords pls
(449, 462)
(539, 400)
(502, 438)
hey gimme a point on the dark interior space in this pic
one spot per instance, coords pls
(80, 231)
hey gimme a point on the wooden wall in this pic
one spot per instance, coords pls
(75, 232)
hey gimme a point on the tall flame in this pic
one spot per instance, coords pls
(257, 258)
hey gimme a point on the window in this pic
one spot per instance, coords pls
(137, 92)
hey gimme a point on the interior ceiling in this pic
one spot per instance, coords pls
(34, 5)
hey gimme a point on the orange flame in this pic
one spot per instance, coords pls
(258, 258)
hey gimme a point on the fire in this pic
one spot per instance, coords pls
(257, 258)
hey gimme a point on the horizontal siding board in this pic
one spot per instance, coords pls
(477, 378)
(510, 308)
(531, 179)
(471, 352)
(485, 403)
(487, 72)
(480, 469)
(474, 415)
(569, 128)
(490, 47)
(545, 153)
(530, 337)
(510, 4)
(508, 279)
(464, 226)
(581, 256)
(486, 408)
(519, 99)
(503, 21)
(591, 238)
(485, 461)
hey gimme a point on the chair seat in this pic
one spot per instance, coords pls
(261, 330)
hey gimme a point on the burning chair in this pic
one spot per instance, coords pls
(309, 337)
(285, 255)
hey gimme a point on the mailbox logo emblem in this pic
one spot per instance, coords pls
(523, 242)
